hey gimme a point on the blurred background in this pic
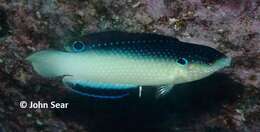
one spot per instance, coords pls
(226, 101)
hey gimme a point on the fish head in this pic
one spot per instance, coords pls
(198, 61)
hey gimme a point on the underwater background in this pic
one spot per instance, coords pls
(224, 102)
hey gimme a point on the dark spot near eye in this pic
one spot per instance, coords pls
(182, 61)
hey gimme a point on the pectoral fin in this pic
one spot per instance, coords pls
(163, 90)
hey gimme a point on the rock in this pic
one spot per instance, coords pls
(156, 8)
(29, 115)
(2, 129)
(143, 18)
(39, 123)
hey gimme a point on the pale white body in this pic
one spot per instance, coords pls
(115, 69)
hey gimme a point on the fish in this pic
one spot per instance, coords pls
(119, 61)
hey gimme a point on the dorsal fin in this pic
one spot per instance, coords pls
(111, 36)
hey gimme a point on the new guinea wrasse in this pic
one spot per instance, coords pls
(118, 61)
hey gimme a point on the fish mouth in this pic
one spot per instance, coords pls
(97, 92)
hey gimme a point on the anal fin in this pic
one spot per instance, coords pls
(97, 89)
(99, 85)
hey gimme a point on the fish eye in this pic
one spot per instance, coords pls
(182, 61)
(78, 46)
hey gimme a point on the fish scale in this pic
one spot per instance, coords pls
(158, 44)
